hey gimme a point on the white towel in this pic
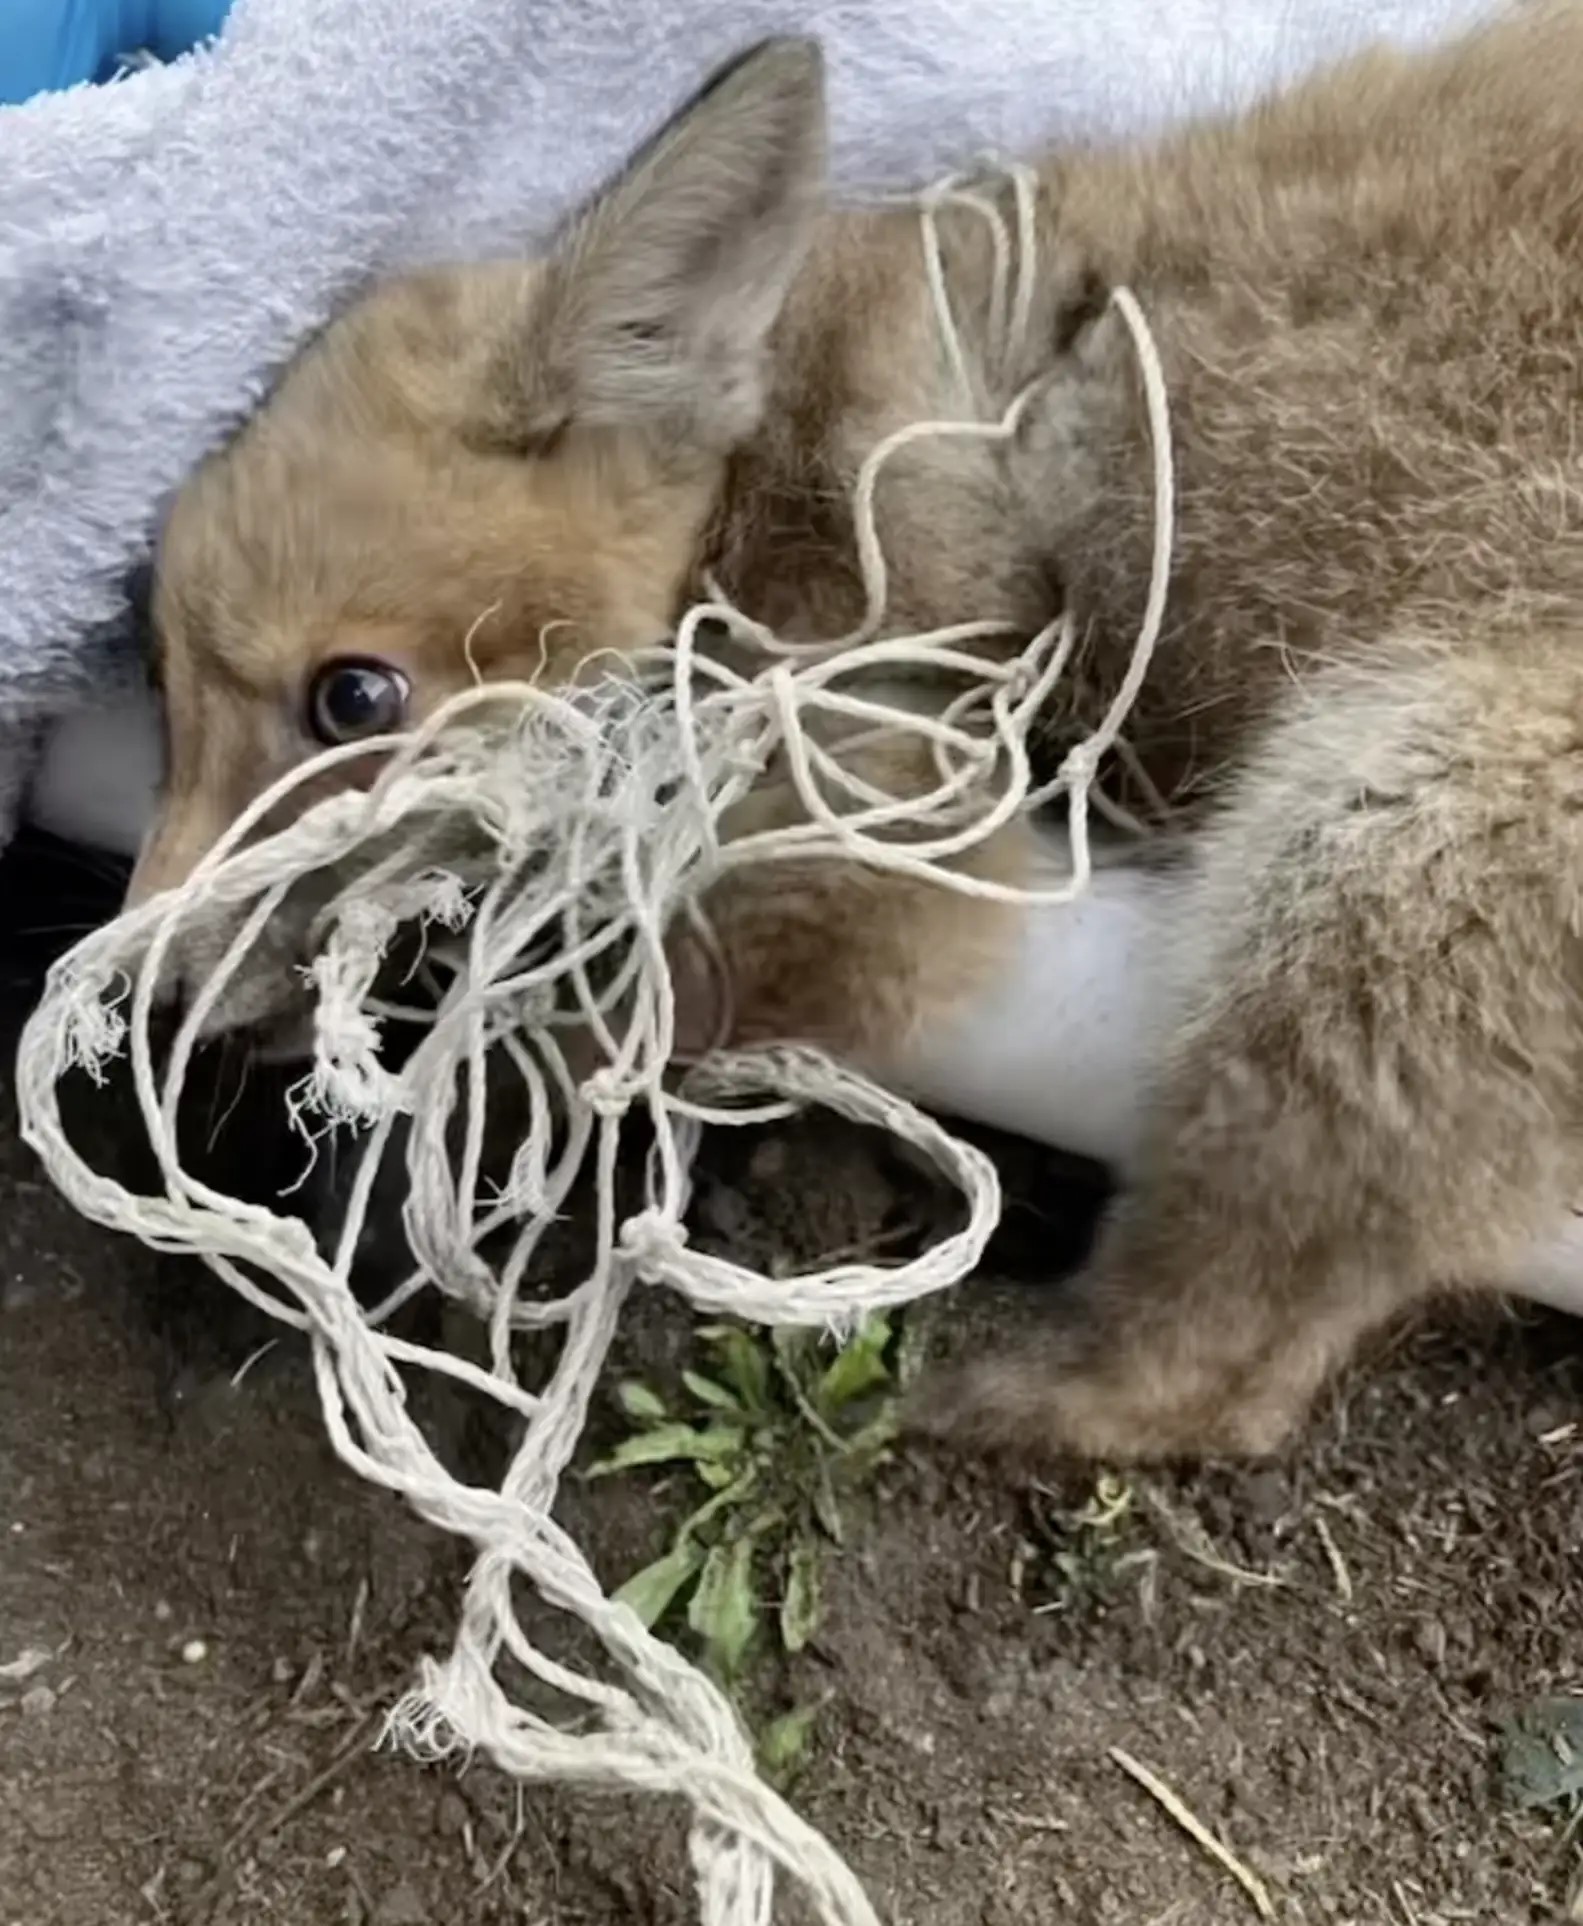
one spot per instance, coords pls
(165, 243)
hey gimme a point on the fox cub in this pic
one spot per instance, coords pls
(1367, 707)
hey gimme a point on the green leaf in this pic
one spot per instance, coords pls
(641, 1404)
(870, 1446)
(826, 1505)
(763, 1522)
(671, 1444)
(785, 1740)
(797, 1353)
(859, 1365)
(797, 1360)
(727, 1496)
(716, 1475)
(650, 1591)
(723, 1610)
(708, 1391)
(743, 1364)
(802, 1605)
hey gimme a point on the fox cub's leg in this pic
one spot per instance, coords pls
(1373, 1089)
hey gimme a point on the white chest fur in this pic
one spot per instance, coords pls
(99, 775)
(1063, 1046)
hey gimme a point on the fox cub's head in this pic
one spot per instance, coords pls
(495, 470)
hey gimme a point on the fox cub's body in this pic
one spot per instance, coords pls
(1367, 705)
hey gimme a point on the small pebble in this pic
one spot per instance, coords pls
(194, 1652)
(32, 1659)
(401, 1906)
(452, 1815)
(163, 1611)
(38, 1703)
(336, 1856)
(726, 1211)
(768, 1161)
(1267, 1495)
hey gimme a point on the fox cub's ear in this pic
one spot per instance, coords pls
(656, 311)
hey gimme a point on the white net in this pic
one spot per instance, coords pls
(545, 842)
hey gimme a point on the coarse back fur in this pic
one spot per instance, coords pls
(1368, 703)
(1369, 299)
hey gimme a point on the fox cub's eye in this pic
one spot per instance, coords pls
(348, 700)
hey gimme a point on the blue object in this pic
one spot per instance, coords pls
(48, 44)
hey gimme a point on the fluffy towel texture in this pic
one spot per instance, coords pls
(167, 242)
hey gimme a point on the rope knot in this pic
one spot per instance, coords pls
(364, 927)
(1081, 766)
(1025, 672)
(651, 1239)
(607, 1092)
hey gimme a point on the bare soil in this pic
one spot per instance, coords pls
(218, 1614)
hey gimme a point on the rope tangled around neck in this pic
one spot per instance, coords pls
(545, 841)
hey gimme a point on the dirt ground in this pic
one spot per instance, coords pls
(1316, 1656)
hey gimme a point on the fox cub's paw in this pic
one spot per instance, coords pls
(1051, 1402)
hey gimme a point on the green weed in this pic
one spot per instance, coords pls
(778, 1433)
(1088, 1548)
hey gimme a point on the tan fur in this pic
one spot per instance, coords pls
(1369, 701)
